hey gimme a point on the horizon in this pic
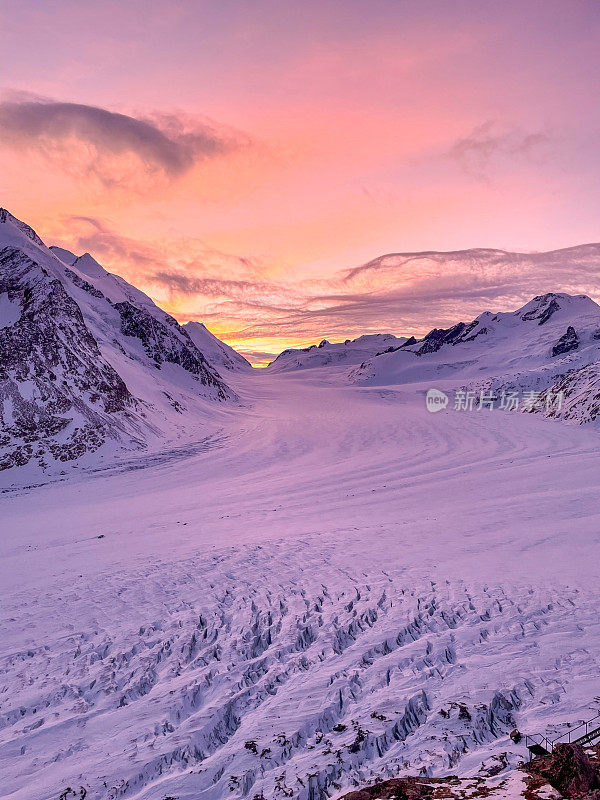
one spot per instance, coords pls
(260, 359)
(238, 162)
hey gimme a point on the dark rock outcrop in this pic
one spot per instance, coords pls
(547, 306)
(568, 769)
(457, 334)
(163, 344)
(567, 342)
(82, 284)
(51, 370)
(411, 788)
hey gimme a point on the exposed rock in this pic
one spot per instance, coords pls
(580, 393)
(410, 788)
(547, 306)
(87, 287)
(68, 332)
(567, 772)
(567, 342)
(438, 337)
(51, 369)
(162, 344)
(568, 769)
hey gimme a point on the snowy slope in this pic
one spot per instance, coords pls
(219, 354)
(300, 593)
(553, 339)
(87, 362)
(352, 351)
(335, 590)
(148, 335)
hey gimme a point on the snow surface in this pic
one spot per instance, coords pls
(331, 585)
(217, 353)
(312, 587)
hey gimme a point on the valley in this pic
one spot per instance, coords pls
(327, 592)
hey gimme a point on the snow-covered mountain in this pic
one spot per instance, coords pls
(352, 351)
(551, 344)
(86, 360)
(219, 354)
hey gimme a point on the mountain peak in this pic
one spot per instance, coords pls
(7, 218)
(66, 256)
(89, 266)
(217, 352)
(543, 306)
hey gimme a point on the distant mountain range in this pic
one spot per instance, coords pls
(352, 351)
(549, 346)
(88, 361)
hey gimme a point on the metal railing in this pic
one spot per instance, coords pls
(585, 731)
(533, 739)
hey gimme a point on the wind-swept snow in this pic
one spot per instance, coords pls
(332, 586)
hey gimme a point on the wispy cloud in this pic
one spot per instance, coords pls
(412, 293)
(405, 293)
(92, 235)
(215, 287)
(478, 152)
(168, 144)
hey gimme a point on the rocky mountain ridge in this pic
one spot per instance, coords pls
(86, 360)
(550, 345)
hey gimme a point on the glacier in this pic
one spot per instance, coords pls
(291, 582)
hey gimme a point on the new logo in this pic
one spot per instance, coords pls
(435, 400)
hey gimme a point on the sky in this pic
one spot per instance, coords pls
(238, 160)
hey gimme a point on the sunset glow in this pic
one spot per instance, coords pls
(237, 160)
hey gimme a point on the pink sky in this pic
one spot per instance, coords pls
(235, 158)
